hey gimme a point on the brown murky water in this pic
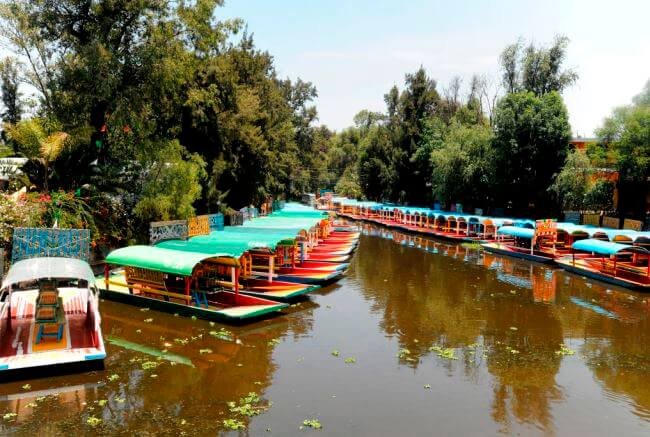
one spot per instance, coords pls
(446, 340)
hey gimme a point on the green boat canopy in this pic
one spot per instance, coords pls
(234, 249)
(161, 259)
(606, 247)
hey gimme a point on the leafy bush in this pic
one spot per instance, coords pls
(599, 197)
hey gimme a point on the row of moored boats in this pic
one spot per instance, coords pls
(616, 256)
(49, 313)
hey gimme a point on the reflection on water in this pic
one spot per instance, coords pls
(446, 339)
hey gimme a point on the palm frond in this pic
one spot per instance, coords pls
(52, 146)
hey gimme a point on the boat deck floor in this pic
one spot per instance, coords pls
(20, 337)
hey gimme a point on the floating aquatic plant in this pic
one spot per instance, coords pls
(102, 402)
(149, 320)
(93, 421)
(335, 353)
(312, 423)
(147, 365)
(144, 309)
(427, 386)
(233, 424)
(222, 333)
(351, 360)
(205, 351)
(564, 350)
(448, 353)
(26, 387)
(113, 377)
(274, 341)
(9, 416)
(250, 405)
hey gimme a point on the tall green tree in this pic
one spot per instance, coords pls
(530, 145)
(536, 69)
(11, 96)
(627, 132)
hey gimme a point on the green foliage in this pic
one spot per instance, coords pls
(377, 173)
(629, 130)
(11, 96)
(599, 197)
(462, 160)
(571, 183)
(530, 145)
(536, 69)
(348, 184)
(171, 184)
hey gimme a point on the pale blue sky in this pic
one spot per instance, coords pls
(354, 51)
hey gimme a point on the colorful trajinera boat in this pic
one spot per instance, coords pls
(182, 282)
(49, 314)
(257, 260)
(615, 263)
(540, 244)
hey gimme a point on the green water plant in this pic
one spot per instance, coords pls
(233, 424)
(93, 421)
(312, 423)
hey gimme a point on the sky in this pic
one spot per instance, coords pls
(354, 51)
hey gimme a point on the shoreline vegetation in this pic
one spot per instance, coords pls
(132, 112)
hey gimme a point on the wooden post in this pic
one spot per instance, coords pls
(271, 268)
(188, 283)
(236, 275)
(107, 273)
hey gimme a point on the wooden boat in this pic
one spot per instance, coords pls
(188, 283)
(49, 314)
(258, 276)
(520, 242)
(615, 263)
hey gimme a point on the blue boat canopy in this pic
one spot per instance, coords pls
(606, 247)
(516, 231)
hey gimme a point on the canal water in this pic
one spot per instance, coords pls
(421, 337)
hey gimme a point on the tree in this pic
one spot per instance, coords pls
(600, 196)
(462, 164)
(376, 166)
(626, 136)
(170, 184)
(536, 69)
(571, 183)
(41, 143)
(10, 94)
(348, 184)
(418, 101)
(530, 145)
